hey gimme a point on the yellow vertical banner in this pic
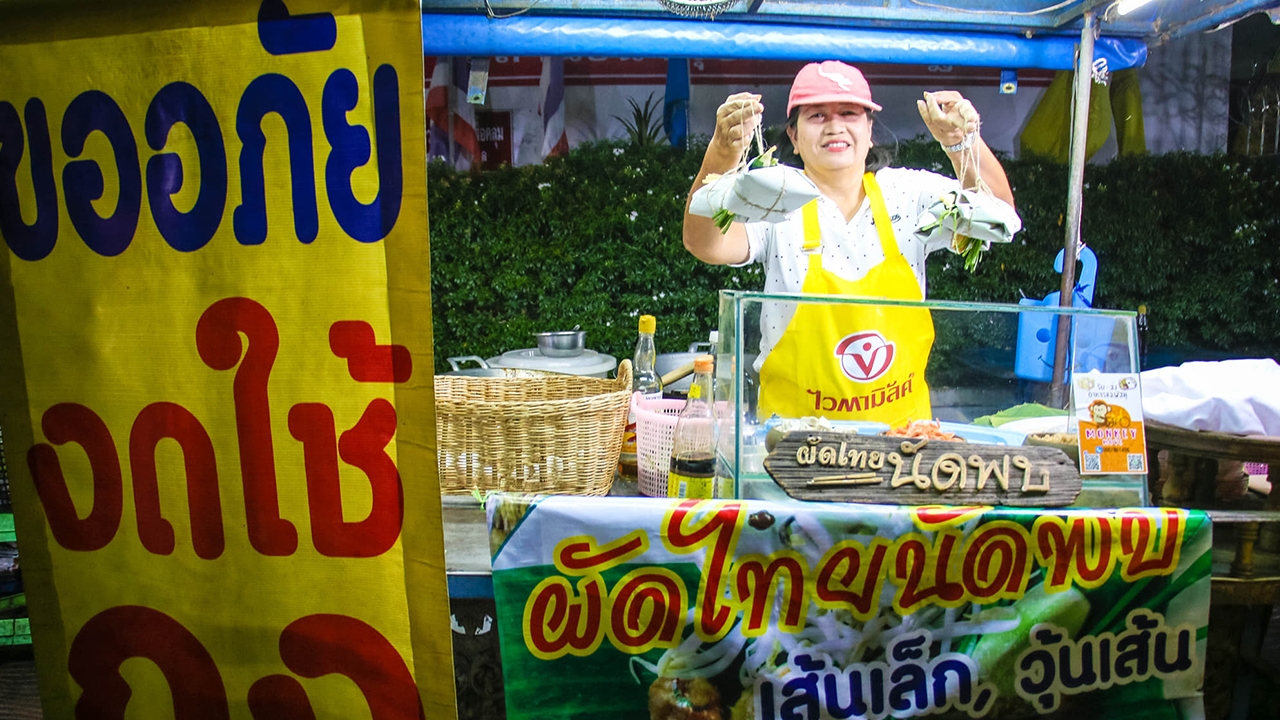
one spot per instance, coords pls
(215, 358)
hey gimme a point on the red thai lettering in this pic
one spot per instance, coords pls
(754, 590)
(1137, 539)
(363, 447)
(129, 631)
(578, 557)
(157, 422)
(997, 562)
(69, 422)
(720, 531)
(279, 697)
(1077, 549)
(848, 404)
(839, 591)
(558, 622)
(310, 647)
(647, 609)
(218, 341)
(911, 563)
(319, 645)
(367, 361)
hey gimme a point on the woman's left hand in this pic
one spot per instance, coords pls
(949, 116)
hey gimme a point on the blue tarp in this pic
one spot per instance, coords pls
(993, 33)
(477, 35)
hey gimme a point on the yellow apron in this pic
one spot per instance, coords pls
(853, 362)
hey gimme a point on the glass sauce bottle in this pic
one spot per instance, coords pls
(693, 446)
(646, 381)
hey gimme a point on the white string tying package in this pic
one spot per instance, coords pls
(966, 214)
(759, 190)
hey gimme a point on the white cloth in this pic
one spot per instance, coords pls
(850, 249)
(1229, 396)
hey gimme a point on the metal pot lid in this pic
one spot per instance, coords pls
(589, 362)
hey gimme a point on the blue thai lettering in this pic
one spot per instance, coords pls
(181, 102)
(278, 94)
(283, 34)
(1037, 669)
(909, 678)
(910, 689)
(35, 241)
(1133, 652)
(877, 690)
(835, 705)
(1182, 659)
(1055, 665)
(1067, 660)
(82, 180)
(801, 691)
(1104, 659)
(908, 684)
(351, 149)
(963, 675)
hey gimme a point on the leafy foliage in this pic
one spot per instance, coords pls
(594, 239)
(644, 129)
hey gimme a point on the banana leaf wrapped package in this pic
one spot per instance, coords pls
(972, 220)
(761, 194)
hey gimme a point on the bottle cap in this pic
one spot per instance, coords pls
(704, 363)
(648, 324)
(1142, 309)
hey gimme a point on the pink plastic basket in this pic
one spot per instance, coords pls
(655, 425)
(1256, 468)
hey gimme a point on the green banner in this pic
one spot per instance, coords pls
(712, 610)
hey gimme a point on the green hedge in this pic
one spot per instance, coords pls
(594, 239)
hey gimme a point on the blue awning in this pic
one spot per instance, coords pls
(444, 34)
(1158, 20)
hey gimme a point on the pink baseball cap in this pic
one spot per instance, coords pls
(829, 82)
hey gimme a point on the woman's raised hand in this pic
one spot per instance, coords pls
(949, 116)
(736, 120)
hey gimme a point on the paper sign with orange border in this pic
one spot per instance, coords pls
(1108, 411)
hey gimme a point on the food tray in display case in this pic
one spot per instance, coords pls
(984, 360)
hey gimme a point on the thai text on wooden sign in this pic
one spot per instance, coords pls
(879, 469)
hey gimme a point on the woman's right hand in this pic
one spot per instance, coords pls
(736, 120)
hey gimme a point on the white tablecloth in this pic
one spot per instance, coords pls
(1230, 396)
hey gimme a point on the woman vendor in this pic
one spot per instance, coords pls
(858, 238)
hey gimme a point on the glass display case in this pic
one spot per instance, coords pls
(982, 360)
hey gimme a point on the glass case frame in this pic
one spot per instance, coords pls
(986, 357)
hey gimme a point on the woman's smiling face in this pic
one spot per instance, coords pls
(832, 136)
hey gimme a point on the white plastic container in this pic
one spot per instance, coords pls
(590, 363)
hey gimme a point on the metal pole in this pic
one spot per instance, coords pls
(1075, 192)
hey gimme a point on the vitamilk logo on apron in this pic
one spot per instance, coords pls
(853, 362)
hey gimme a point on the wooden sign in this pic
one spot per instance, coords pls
(844, 467)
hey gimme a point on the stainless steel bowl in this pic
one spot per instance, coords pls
(569, 343)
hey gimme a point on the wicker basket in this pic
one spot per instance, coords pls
(560, 434)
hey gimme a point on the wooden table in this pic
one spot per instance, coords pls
(1192, 467)
(1247, 595)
